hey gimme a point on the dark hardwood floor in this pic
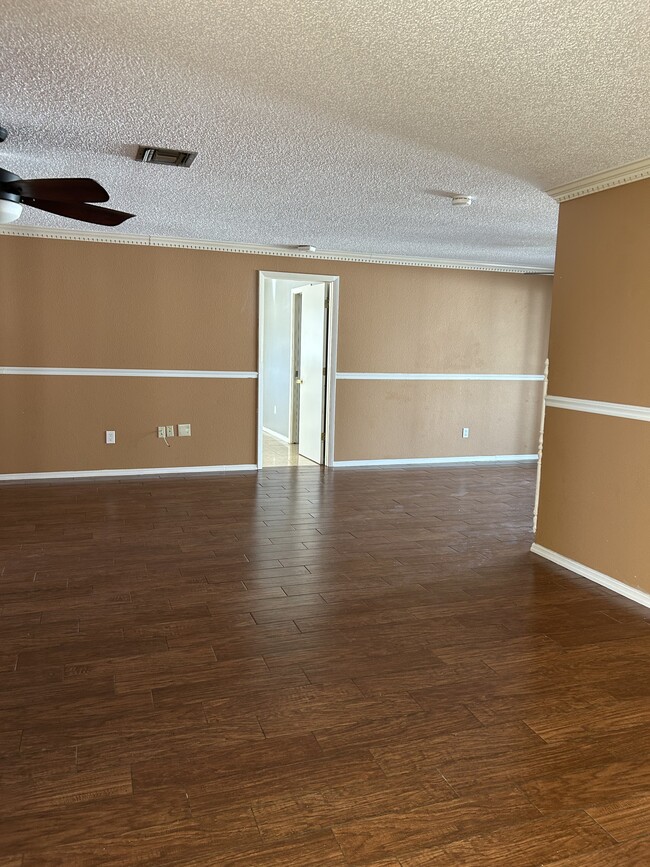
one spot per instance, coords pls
(301, 667)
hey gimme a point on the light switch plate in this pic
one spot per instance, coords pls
(185, 430)
(170, 430)
(110, 437)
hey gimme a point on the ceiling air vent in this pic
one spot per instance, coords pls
(165, 156)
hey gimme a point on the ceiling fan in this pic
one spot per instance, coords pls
(67, 197)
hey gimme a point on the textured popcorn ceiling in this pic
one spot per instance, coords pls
(335, 123)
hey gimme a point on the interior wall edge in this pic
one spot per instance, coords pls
(613, 584)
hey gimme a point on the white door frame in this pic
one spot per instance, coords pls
(332, 342)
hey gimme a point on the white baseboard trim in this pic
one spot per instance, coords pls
(472, 459)
(276, 435)
(612, 584)
(141, 471)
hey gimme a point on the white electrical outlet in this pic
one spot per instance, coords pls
(170, 430)
(185, 430)
(110, 437)
(162, 432)
(465, 433)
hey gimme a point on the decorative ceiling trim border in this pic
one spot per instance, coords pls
(637, 171)
(261, 250)
(75, 235)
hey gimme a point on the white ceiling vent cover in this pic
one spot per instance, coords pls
(165, 156)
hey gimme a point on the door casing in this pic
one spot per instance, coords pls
(332, 282)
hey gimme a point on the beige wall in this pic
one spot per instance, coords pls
(595, 488)
(53, 423)
(81, 304)
(380, 419)
(600, 342)
(594, 498)
(415, 320)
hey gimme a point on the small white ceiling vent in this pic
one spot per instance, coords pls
(165, 156)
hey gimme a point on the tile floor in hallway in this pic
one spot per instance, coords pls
(279, 454)
(306, 667)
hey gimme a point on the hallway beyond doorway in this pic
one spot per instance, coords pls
(276, 453)
(297, 339)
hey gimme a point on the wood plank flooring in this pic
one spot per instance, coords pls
(307, 667)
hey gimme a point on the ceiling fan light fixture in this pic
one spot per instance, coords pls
(9, 211)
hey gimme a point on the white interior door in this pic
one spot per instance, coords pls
(295, 368)
(313, 344)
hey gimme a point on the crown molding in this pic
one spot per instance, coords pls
(602, 181)
(263, 250)
(75, 235)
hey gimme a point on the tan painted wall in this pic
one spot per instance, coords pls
(381, 419)
(53, 423)
(414, 320)
(600, 340)
(594, 494)
(595, 491)
(80, 304)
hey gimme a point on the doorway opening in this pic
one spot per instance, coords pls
(298, 316)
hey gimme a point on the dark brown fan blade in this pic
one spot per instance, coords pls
(59, 189)
(81, 211)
